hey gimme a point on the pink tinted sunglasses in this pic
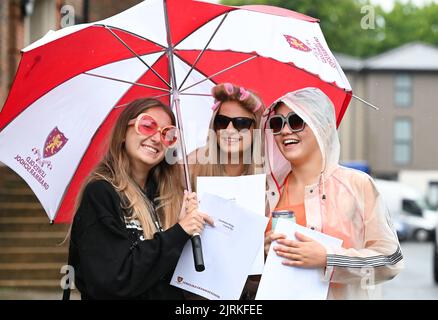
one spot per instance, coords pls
(145, 125)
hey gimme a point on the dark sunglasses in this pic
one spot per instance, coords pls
(221, 122)
(295, 123)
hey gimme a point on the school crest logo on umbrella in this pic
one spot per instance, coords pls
(54, 143)
(296, 43)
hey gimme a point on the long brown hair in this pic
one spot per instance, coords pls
(115, 168)
(252, 102)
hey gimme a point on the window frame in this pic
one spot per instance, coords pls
(403, 89)
(403, 142)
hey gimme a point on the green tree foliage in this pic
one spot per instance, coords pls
(407, 23)
(357, 28)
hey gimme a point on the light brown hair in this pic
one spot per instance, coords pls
(115, 168)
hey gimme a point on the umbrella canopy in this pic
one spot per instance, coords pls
(72, 84)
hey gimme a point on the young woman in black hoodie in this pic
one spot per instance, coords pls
(132, 220)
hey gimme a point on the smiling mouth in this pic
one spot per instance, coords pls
(150, 149)
(289, 142)
(230, 140)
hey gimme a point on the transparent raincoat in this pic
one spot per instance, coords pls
(344, 203)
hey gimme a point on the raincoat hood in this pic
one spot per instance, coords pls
(316, 109)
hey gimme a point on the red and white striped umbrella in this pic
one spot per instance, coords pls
(73, 83)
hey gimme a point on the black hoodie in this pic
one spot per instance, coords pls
(112, 260)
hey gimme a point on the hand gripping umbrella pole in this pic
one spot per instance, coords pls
(196, 237)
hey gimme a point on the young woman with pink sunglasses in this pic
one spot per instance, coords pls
(133, 219)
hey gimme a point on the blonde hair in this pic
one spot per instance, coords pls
(249, 100)
(115, 168)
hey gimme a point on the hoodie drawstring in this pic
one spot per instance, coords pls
(323, 185)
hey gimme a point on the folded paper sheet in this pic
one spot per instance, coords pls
(248, 192)
(229, 250)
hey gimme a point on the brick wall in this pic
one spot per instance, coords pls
(4, 8)
(101, 9)
(11, 42)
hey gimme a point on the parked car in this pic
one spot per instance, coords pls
(412, 218)
(402, 230)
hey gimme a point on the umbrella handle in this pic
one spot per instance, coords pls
(197, 252)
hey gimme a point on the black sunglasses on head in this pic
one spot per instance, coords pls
(221, 122)
(295, 123)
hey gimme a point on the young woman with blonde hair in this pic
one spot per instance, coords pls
(131, 223)
(234, 144)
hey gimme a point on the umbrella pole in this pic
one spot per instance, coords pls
(176, 101)
(198, 257)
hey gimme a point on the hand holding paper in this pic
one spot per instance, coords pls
(282, 282)
(230, 248)
(303, 252)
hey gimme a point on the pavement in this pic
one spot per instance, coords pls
(415, 282)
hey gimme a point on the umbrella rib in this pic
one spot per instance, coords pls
(133, 34)
(162, 95)
(154, 97)
(196, 94)
(134, 53)
(220, 72)
(203, 50)
(366, 102)
(121, 105)
(125, 81)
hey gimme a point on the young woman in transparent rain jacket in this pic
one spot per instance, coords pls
(339, 201)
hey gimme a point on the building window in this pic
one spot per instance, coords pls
(402, 141)
(403, 90)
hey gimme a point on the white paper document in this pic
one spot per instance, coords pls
(248, 192)
(229, 249)
(280, 282)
